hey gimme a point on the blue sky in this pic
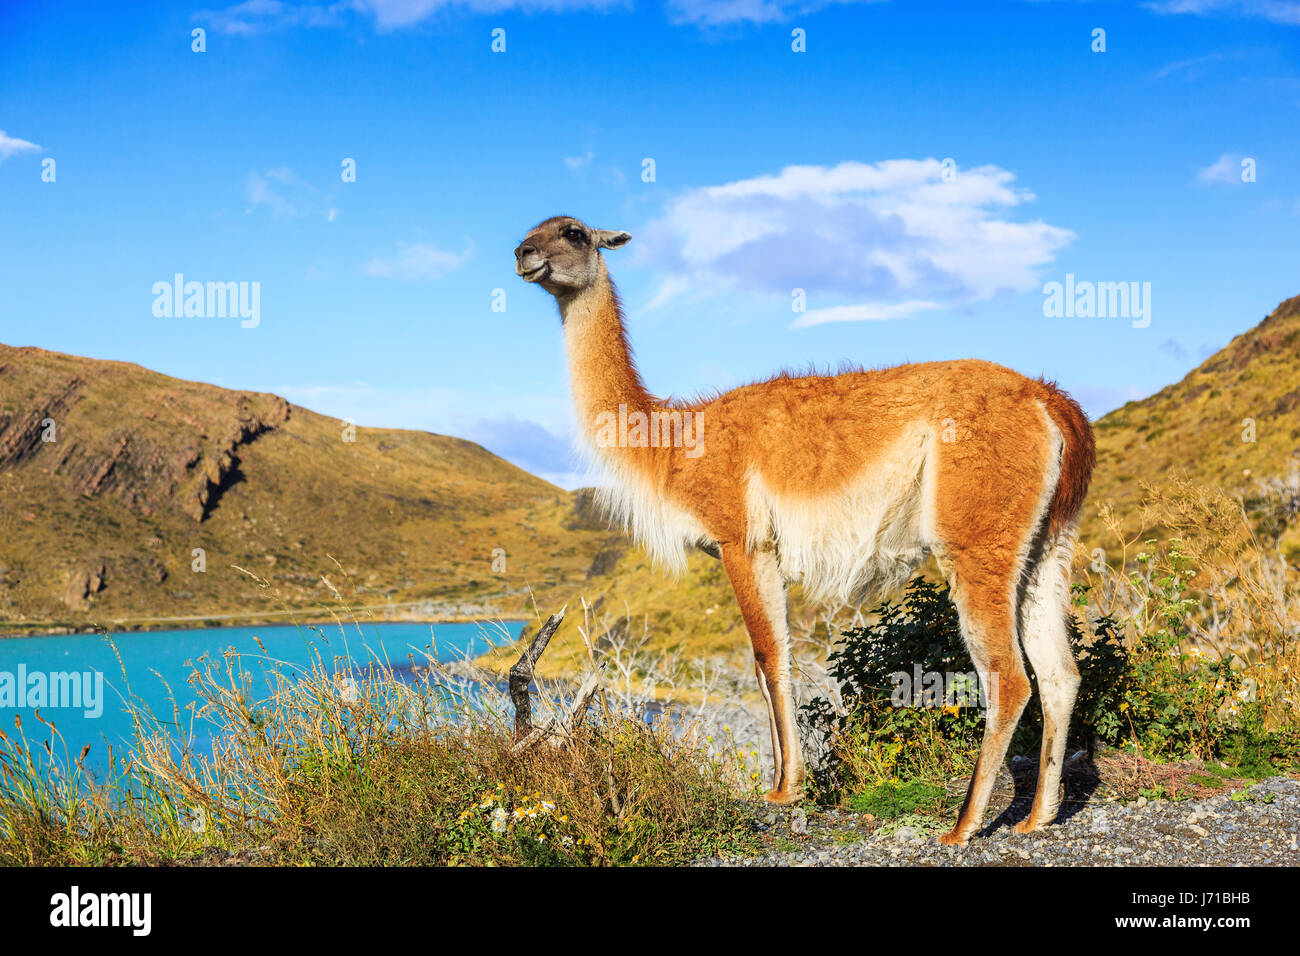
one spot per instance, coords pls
(774, 170)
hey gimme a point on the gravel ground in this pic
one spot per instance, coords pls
(1263, 829)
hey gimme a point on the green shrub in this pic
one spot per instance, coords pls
(1179, 702)
(890, 800)
(873, 740)
(1145, 685)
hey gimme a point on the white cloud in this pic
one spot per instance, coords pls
(265, 189)
(285, 194)
(12, 146)
(416, 260)
(395, 14)
(863, 313)
(262, 16)
(1191, 68)
(527, 444)
(712, 13)
(579, 162)
(879, 241)
(1277, 11)
(1225, 169)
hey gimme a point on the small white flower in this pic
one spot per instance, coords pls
(349, 692)
(499, 820)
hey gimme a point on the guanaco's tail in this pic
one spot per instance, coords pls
(1077, 460)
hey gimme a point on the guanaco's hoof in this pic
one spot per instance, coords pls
(1027, 825)
(952, 838)
(783, 797)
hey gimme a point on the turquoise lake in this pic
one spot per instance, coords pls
(150, 658)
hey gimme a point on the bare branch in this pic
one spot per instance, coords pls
(521, 674)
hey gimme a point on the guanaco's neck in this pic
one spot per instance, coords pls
(601, 370)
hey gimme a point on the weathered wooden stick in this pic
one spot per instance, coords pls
(586, 691)
(521, 674)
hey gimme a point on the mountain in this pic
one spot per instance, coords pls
(111, 476)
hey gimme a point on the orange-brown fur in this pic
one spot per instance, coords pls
(1080, 456)
(1005, 490)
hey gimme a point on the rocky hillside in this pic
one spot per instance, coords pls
(126, 495)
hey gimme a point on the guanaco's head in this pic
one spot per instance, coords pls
(562, 255)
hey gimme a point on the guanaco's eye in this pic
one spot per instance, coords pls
(574, 235)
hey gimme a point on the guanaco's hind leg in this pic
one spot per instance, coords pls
(983, 596)
(771, 726)
(760, 591)
(1046, 639)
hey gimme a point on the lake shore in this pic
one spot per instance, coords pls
(205, 622)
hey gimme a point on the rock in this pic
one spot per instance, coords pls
(798, 822)
(606, 560)
(82, 582)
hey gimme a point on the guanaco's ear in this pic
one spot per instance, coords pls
(611, 238)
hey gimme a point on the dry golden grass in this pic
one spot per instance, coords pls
(1242, 596)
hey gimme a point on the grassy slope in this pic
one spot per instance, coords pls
(1196, 426)
(146, 468)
